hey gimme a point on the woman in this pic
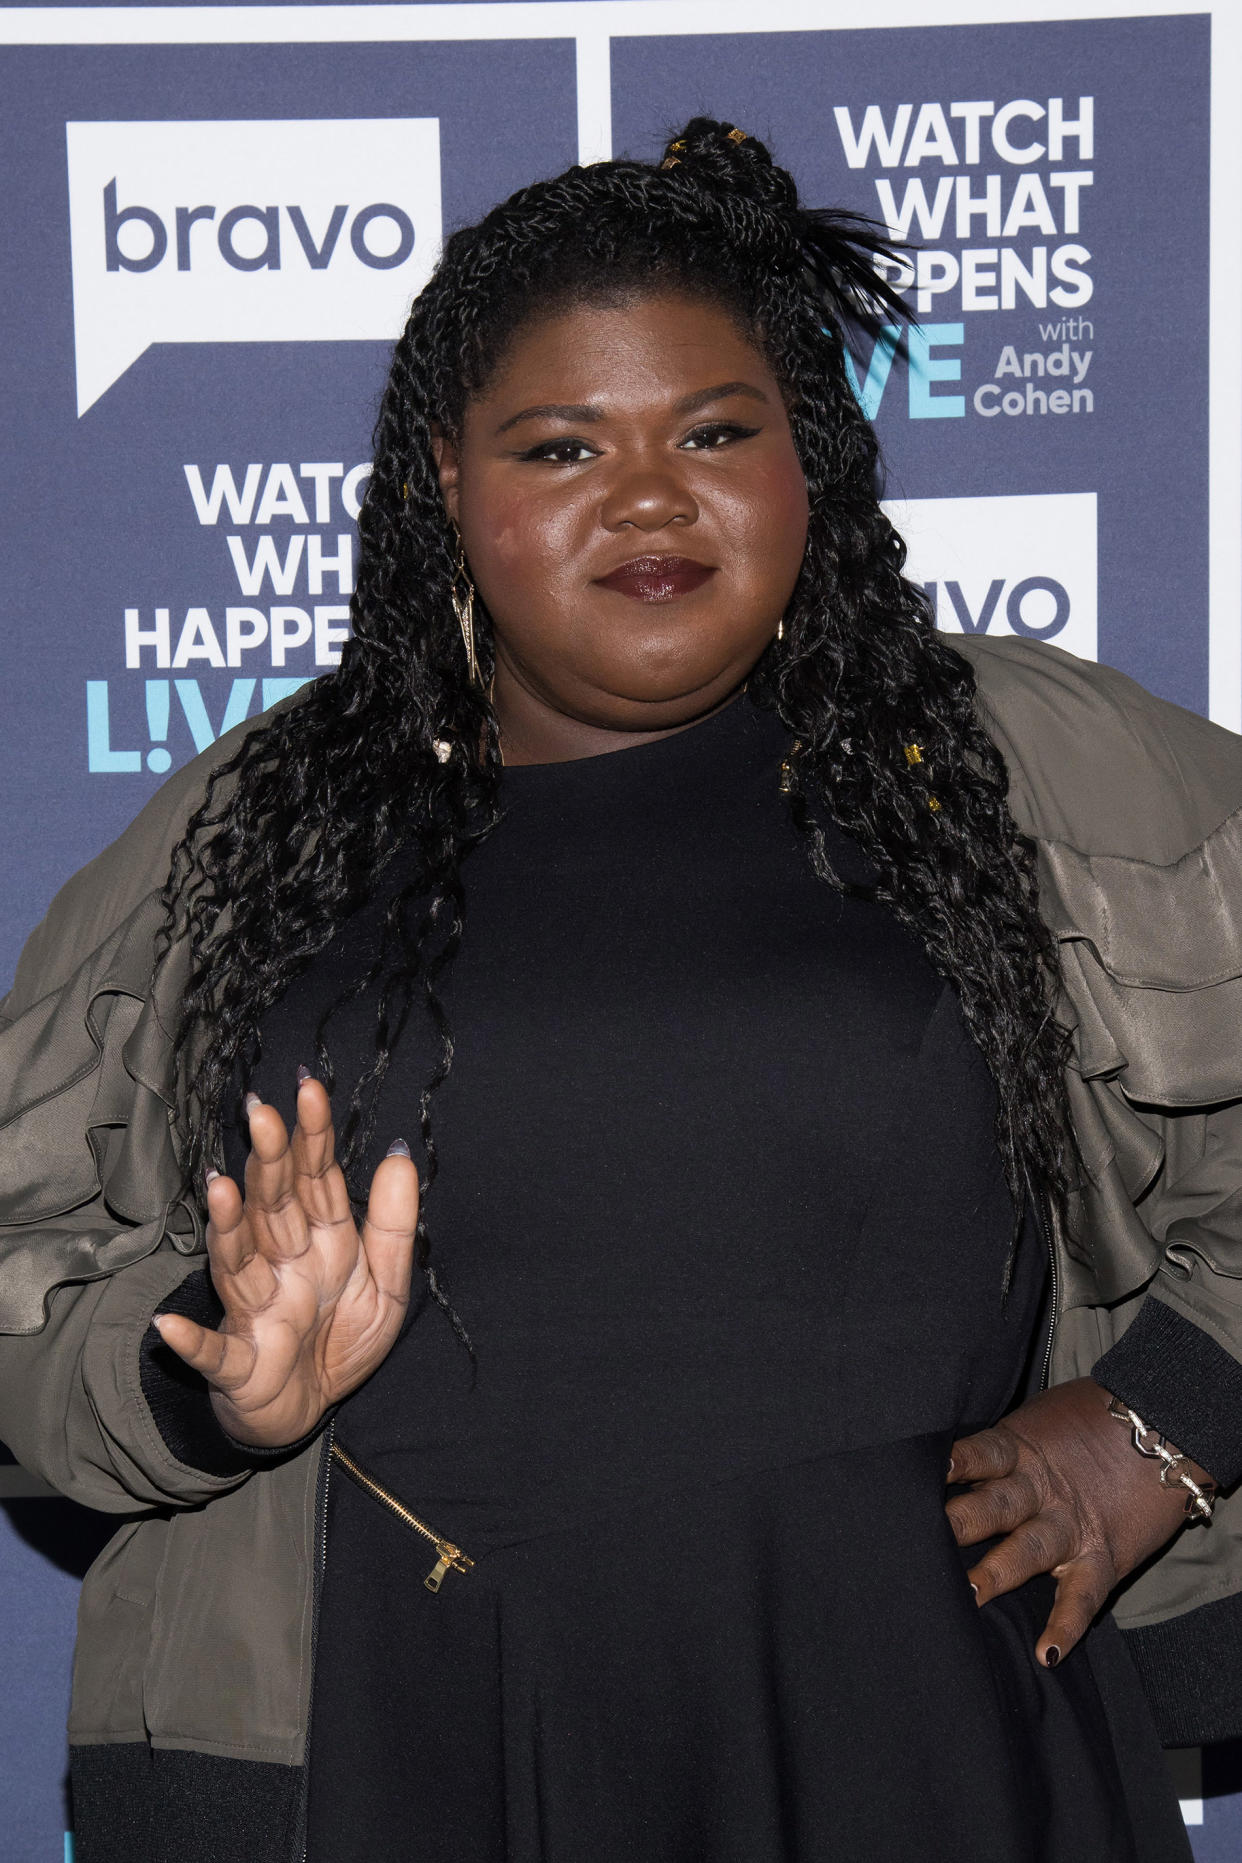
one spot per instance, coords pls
(652, 852)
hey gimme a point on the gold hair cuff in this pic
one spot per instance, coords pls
(677, 149)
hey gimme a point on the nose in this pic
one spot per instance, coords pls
(648, 495)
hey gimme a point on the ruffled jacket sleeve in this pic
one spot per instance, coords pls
(1136, 809)
(96, 1231)
(1152, 959)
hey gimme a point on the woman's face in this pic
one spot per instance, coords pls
(634, 516)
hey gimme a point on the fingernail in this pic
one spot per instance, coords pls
(1052, 1656)
(250, 1102)
(398, 1149)
(209, 1177)
(304, 1074)
(974, 1588)
(949, 1470)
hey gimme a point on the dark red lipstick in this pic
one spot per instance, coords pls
(657, 578)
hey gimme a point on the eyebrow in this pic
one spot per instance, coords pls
(586, 412)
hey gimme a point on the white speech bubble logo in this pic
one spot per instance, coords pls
(1023, 564)
(245, 232)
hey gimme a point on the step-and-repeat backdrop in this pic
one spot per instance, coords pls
(214, 220)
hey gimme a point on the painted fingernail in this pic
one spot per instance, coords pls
(209, 1177)
(1052, 1656)
(250, 1102)
(304, 1074)
(398, 1149)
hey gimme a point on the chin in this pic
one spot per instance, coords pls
(682, 689)
(656, 709)
(672, 673)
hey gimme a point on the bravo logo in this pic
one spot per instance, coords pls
(1022, 565)
(245, 232)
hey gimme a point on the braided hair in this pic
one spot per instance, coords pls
(299, 826)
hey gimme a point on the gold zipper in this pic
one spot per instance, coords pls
(451, 1558)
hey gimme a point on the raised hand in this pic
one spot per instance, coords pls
(311, 1305)
(1062, 1481)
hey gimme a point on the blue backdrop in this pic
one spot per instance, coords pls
(214, 218)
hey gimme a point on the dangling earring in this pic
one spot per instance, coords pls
(780, 628)
(463, 608)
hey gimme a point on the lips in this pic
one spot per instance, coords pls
(657, 578)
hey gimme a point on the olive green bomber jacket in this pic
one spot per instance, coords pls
(196, 1623)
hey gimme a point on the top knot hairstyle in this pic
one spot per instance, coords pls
(299, 826)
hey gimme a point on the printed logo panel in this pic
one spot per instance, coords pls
(286, 531)
(211, 249)
(244, 232)
(1052, 178)
(1022, 565)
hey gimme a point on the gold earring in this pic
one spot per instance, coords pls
(780, 628)
(463, 608)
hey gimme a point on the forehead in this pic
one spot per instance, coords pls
(649, 349)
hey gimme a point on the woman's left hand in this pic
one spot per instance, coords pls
(1063, 1482)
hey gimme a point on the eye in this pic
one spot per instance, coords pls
(567, 452)
(717, 433)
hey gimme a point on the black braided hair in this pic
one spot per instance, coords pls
(300, 825)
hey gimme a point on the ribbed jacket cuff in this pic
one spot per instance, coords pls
(180, 1402)
(1181, 1383)
(1190, 1668)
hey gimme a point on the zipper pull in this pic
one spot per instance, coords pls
(451, 1559)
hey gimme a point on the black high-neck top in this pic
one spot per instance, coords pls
(720, 1207)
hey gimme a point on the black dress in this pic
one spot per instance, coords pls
(720, 1206)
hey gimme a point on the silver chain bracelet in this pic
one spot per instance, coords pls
(1200, 1496)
